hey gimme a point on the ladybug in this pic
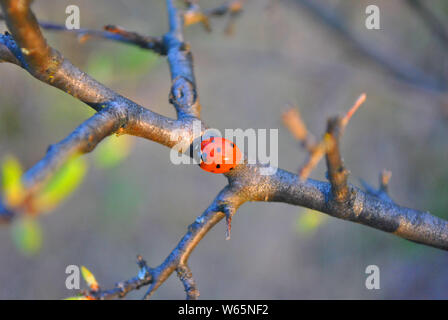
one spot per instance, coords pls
(219, 155)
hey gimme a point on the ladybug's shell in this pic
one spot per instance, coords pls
(219, 155)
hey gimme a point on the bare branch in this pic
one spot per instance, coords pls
(293, 121)
(82, 140)
(185, 275)
(362, 207)
(122, 288)
(351, 112)
(183, 93)
(194, 14)
(9, 51)
(316, 154)
(337, 174)
(382, 191)
(229, 199)
(295, 124)
(47, 64)
(384, 180)
(110, 32)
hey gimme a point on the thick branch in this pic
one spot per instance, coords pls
(47, 64)
(82, 140)
(363, 208)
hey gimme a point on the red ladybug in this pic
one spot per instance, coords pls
(219, 155)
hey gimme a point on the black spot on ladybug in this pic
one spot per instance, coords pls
(232, 144)
(231, 168)
(218, 166)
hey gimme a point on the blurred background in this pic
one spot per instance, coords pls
(132, 200)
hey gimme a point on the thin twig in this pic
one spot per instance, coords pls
(110, 32)
(185, 275)
(337, 173)
(293, 121)
(316, 151)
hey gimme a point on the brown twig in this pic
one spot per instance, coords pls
(337, 173)
(384, 180)
(194, 14)
(293, 121)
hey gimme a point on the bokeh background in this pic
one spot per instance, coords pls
(279, 53)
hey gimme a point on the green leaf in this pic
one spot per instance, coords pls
(309, 221)
(27, 235)
(77, 298)
(63, 183)
(112, 151)
(89, 278)
(11, 180)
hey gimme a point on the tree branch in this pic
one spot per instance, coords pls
(122, 288)
(185, 275)
(382, 191)
(245, 183)
(82, 140)
(337, 174)
(194, 14)
(363, 208)
(183, 93)
(110, 32)
(45, 63)
(228, 200)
